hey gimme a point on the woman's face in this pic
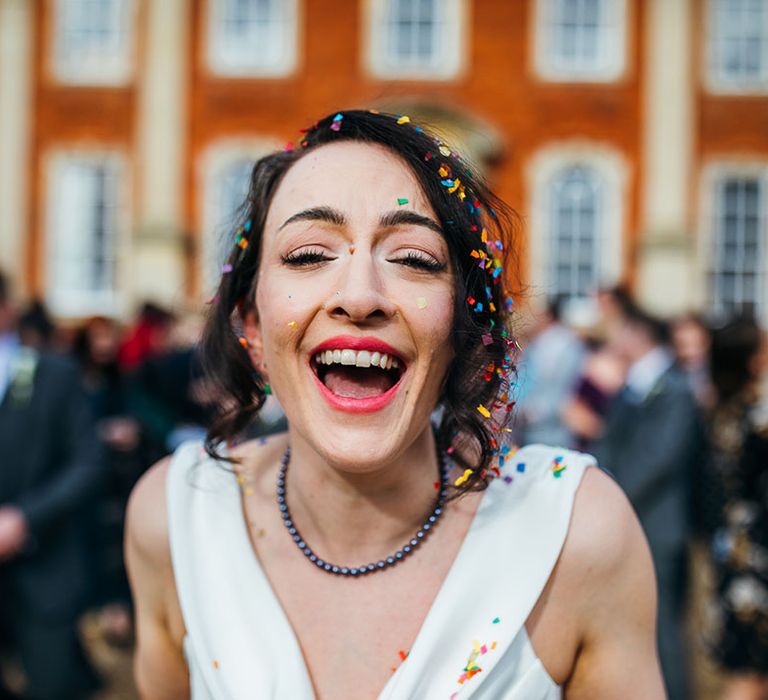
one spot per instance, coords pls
(354, 270)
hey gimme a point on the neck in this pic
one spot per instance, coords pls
(355, 517)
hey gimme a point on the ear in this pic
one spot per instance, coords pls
(252, 332)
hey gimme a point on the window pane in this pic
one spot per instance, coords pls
(738, 249)
(738, 36)
(574, 197)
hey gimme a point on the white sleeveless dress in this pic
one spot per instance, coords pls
(240, 645)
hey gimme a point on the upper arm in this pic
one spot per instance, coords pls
(159, 667)
(617, 603)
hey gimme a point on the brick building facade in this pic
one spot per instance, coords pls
(631, 135)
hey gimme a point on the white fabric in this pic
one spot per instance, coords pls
(240, 645)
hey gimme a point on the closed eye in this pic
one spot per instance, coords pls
(420, 261)
(303, 258)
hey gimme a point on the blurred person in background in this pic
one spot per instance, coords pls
(691, 341)
(147, 337)
(739, 441)
(35, 327)
(126, 455)
(48, 470)
(548, 370)
(651, 439)
(603, 371)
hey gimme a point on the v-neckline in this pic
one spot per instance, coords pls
(266, 584)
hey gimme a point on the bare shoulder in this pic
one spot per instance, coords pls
(147, 516)
(607, 568)
(604, 528)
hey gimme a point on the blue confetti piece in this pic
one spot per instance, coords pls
(338, 117)
(496, 272)
(446, 183)
(478, 307)
(521, 467)
(247, 226)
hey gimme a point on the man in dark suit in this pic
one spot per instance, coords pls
(49, 466)
(652, 434)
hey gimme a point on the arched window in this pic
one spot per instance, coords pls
(576, 203)
(577, 224)
(226, 171)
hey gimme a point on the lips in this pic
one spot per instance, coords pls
(357, 374)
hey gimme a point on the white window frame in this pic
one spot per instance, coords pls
(221, 54)
(543, 169)
(216, 225)
(447, 64)
(716, 78)
(714, 175)
(112, 66)
(611, 64)
(64, 299)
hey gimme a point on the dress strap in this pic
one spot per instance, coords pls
(500, 571)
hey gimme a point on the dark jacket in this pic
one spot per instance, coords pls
(651, 448)
(49, 468)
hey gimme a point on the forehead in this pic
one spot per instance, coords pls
(351, 176)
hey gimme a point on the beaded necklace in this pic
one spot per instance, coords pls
(365, 569)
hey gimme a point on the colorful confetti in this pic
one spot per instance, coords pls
(463, 478)
(483, 411)
(421, 302)
(558, 467)
(336, 123)
(403, 120)
(292, 324)
(402, 200)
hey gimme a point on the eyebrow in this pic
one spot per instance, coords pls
(406, 216)
(389, 220)
(327, 214)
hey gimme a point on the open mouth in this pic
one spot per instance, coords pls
(357, 374)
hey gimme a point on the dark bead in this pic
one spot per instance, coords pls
(328, 567)
(353, 572)
(320, 562)
(344, 570)
(335, 569)
(390, 560)
(438, 511)
(283, 507)
(426, 527)
(302, 543)
(312, 557)
(281, 491)
(414, 542)
(297, 538)
(407, 549)
(371, 567)
(398, 555)
(307, 551)
(433, 518)
(380, 564)
(420, 534)
(292, 530)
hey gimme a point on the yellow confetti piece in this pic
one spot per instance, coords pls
(467, 473)
(292, 324)
(476, 646)
(484, 411)
(454, 186)
(403, 120)
(443, 172)
(444, 150)
(484, 236)
(421, 302)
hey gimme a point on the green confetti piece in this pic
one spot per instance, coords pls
(496, 620)
(402, 200)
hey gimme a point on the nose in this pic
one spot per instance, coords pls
(360, 295)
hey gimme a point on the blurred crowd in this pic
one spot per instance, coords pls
(677, 412)
(84, 411)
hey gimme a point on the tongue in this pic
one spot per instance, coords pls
(356, 382)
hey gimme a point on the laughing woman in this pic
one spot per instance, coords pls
(373, 550)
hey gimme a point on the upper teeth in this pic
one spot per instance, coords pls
(358, 358)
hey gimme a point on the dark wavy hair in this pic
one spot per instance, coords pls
(478, 229)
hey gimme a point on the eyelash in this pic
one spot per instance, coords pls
(304, 258)
(413, 259)
(421, 261)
